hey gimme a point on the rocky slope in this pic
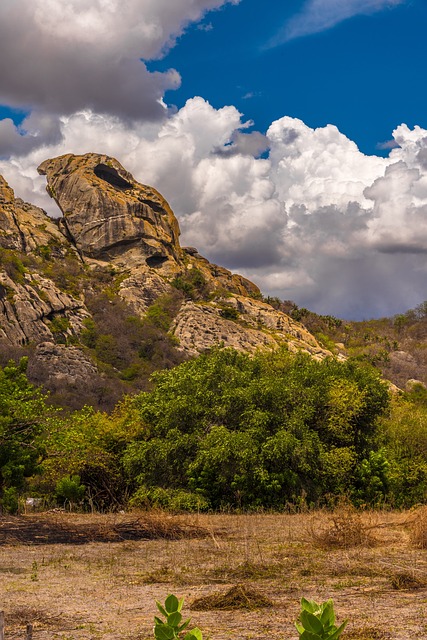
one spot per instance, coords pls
(116, 246)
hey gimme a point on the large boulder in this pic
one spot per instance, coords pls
(108, 215)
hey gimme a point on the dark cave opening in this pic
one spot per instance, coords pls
(155, 261)
(110, 175)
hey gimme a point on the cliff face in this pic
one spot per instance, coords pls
(118, 239)
(29, 302)
(24, 227)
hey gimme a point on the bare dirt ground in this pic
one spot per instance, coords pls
(78, 577)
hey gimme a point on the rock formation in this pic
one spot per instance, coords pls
(107, 213)
(25, 228)
(119, 238)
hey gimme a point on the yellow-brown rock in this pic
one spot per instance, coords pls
(108, 214)
(25, 227)
(242, 323)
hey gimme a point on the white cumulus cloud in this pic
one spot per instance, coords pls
(316, 221)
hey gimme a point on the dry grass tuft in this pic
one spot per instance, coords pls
(344, 529)
(247, 571)
(238, 597)
(404, 580)
(40, 618)
(418, 529)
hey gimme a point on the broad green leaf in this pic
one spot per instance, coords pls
(308, 635)
(174, 619)
(164, 632)
(311, 623)
(184, 625)
(328, 616)
(158, 621)
(309, 605)
(171, 604)
(339, 631)
(194, 634)
(161, 609)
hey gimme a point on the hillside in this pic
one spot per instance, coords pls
(397, 346)
(104, 295)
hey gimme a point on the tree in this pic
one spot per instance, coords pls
(23, 416)
(88, 445)
(260, 431)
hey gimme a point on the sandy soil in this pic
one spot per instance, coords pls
(107, 590)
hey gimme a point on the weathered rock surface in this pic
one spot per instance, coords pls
(256, 326)
(142, 288)
(108, 214)
(28, 310)
(199, 327)
(412, 383)
(26, 228)
(62, 365)
(402, 357)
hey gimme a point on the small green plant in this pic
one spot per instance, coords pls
(172, 625)
(317, 621)
(69, 489)
(34, 571)
(229, 313)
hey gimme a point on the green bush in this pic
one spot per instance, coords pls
(262, 431)
(193, 284)
(229, 313)
(24, 415)
(175, 500)
(69, 489)
(9, 501)
(11, 262)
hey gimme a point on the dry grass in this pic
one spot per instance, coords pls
(106, 590)
(345, 528)
(367, 633)
(65, 528)
(418, 530)
(238, 597)
(407, 581)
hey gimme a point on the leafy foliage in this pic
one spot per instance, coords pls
(85, 449)
(69, 489)
(23, 417)
(262, 431)
(192, 283)
(172, 626)
(317, 621)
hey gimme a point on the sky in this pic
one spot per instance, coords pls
(290, 137)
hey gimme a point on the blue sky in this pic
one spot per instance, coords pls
(289, 137)
(364, 74)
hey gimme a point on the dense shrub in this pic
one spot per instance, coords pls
(23, 418)
(262, 431)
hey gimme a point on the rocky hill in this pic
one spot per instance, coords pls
(105, 294)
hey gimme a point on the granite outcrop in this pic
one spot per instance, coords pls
(120, 237)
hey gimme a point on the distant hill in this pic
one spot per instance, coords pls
(397, 346)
